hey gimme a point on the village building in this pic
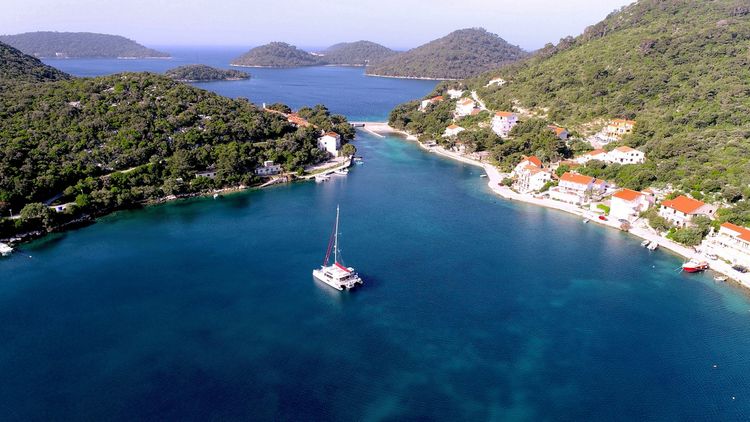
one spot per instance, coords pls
(503, 122)
(480, 155)
(426, 103)
(578, 189)
(296, 120)
(527, 161)
(497, 82)
(627, 204)
(597, 154)
(454, 94)
(465, 107)
(209, 172)
(268, 169)
(452, 130)
(731, 242)
(330, 142)
(616, 129)
(560, 132)
(625, 155)
(531, 179)
(681, 210)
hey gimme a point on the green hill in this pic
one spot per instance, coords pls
(18, 67)
(461, 54)
(118, 141)
(203, 73)
(277, 54)
(680, 68)
(46, 44)
(358, 53)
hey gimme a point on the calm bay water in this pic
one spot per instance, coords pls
(474, 308)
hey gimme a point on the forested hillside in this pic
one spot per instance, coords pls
(358, 53)
(461, 54)
(17, 67)
(46, 44)
(277, 54)
(203, 73)
(117, 141)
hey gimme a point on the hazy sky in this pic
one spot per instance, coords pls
(394, 23)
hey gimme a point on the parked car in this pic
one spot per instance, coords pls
(740, 268)
(603, 218)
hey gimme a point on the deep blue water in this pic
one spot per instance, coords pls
(344, 90)
(474, 308)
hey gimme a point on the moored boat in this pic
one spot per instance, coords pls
(5, 250)
(322, 178)
(645, 243)
(341, 172)
(652, 246)
(694, 266)
(336, 275)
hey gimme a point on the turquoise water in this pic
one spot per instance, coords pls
(474, 308)
(344, 90)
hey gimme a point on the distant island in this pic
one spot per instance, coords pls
(277, 54)
(359, 53)
(65, 45)
(461, 54)
(203, 73)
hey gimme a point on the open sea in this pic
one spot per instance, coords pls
(474, 308)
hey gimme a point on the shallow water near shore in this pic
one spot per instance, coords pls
(473, 308)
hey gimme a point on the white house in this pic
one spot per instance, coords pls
(531, 178)
(597, 154)
(465, 107)
(452, 130)
(731, 243)
(503, 122)
(625, 155)
(578, 189)
(209, 172)
(528, 161)
(497, 81)
(681, 210)
(330, 142)
(615, 130)
(426, 103)
(627, 204)
(268, 169)
(455, 94)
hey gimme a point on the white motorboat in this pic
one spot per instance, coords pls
(645, 243)
(652, 246)
(5, 250)
(322, 178)
(341, 172)
(336, 275)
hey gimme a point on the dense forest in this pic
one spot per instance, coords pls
(117, 141)
(203, 73)
(681, 68)
(460, 54)
(277, 54)
(358, 53)
(47, 44)
(16, 67)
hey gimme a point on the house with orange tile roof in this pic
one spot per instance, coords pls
(296, 120)
(731, 243)
(503, 122)
(578, 189)
(560, 132)
(465, 107)
(616, 129)
(452, 130)
(627, 204)
(330, 142)
(426, 103)
(681, 210)
(527, 161)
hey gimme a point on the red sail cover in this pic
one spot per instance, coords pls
(343, 267)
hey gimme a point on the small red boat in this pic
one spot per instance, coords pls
(694, 266)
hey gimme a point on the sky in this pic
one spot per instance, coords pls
(399, 24)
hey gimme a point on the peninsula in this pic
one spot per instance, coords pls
(69, 45)
(277, 54)
(203, 73)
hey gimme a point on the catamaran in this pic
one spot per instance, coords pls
(336, 275)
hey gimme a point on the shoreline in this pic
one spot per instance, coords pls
(639, 229)
(419, 78)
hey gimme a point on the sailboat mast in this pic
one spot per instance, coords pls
(336, 239)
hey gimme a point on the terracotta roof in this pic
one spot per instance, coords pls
(505, 114)
(533, 160)
(466, 101)
(454, 127)
(742, 232)
(623, 122)
(625, 149)
(684, 204)
(438, 98)
(557, 129)
(334, 134)
(596, 152)
(576, 178)
(627, 195)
